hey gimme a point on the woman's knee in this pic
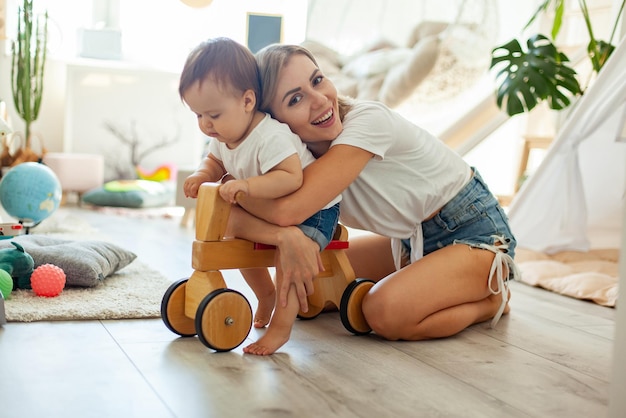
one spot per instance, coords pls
(380, 317)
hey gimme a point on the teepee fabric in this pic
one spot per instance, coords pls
(574, 200)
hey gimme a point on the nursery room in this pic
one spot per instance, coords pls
(120, 295)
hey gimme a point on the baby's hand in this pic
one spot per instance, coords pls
(192, 184)
(229, 190)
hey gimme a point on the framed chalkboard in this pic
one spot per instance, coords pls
(263, 29)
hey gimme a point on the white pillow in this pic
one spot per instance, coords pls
(376, 62)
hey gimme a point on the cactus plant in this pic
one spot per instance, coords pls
(27, 66)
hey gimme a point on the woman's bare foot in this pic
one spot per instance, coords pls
(496, 301)
(264, 310)
(274, 338)
(489, 306)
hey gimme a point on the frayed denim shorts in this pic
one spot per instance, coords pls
(473, 217)
(321, 226)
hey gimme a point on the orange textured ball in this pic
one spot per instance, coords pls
(48, 280)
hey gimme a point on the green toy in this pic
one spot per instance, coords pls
(6, 284)
(18, 264)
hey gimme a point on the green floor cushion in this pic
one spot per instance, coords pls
(132, 194)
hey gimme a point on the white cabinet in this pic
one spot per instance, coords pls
(153, 125)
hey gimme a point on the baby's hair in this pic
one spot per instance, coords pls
(230, 64)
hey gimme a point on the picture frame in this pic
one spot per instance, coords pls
(263, 29)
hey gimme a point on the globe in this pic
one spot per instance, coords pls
(30, 192)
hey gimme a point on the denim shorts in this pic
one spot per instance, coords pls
(321, 226)
(472, 217)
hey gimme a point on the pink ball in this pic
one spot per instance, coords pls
(47, 280)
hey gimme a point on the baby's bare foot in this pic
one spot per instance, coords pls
(264, 311)
(269, 343)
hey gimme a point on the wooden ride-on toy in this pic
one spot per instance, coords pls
(202, 304)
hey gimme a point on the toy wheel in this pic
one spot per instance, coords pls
(350, 308)
(223, 319)
(173, 310)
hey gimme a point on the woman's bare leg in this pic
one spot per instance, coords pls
(370, 256)
(261, 283)
(437, 296)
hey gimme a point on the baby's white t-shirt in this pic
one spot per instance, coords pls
(269, 143)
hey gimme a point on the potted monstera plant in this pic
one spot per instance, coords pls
(540, 72)
(28, 52)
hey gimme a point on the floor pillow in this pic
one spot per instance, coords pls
(131, 194)
(85, 263)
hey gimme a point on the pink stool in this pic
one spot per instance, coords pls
(77, 173)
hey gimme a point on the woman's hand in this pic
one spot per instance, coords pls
(298, 261)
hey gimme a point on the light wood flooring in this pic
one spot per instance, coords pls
(551, 357)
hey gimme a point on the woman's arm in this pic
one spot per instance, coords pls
(324, 179)
(299, 256)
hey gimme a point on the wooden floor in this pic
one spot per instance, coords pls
(551, 357)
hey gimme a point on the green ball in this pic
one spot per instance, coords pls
(6, 284)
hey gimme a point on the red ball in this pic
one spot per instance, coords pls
(47, 280)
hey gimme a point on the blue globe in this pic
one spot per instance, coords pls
(30, 192)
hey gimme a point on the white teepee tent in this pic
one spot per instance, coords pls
(574, 200)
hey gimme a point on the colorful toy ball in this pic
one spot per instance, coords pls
(47, 280)
(6, 284)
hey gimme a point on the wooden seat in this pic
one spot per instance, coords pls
(529, 144)
(190, 306)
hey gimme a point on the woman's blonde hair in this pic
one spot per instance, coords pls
(271, 60)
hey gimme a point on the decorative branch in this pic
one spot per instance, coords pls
(133, 142)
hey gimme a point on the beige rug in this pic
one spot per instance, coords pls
(133, 292)
(591, 275)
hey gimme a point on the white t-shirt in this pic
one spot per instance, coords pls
(269, 143)
(412, 175)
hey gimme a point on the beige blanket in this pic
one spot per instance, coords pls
(591, 275)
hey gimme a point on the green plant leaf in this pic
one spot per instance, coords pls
(599, 52)
(559, 10)
(527, 77)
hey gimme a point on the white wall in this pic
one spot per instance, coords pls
(156, 37)
(617, 401)
(162, 38)
(143, 104)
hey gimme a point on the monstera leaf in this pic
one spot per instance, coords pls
(529, 77)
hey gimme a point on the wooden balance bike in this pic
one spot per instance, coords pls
(202, 304)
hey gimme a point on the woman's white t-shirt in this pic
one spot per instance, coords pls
(411, 176)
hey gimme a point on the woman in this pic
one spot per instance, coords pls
(442, 250)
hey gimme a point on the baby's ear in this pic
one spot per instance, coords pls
(249, 99)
